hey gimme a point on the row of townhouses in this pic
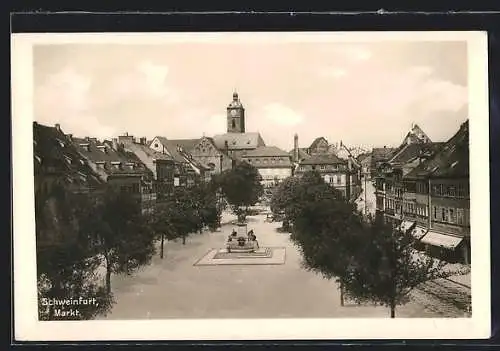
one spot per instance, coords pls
(151, 170)
(423, 187)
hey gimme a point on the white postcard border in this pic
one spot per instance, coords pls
(27, 326)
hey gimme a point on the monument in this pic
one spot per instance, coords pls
(240, 240)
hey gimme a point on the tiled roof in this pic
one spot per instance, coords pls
(410, 151)
(54, 151)
(451, 161)
(186, 144)
(382, 153)
(316, 141)
(266, 151)
(100, 152)
(326, 159)
(302, 153)
(238, 141)
(362, 157)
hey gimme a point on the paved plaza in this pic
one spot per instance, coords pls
(176, 288)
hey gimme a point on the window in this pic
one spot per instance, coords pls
(435, 212)
(444, 214)
(322, 167)
(460, 216)
(452, 190)
(453, 215)
(156, 145)
(233, 123)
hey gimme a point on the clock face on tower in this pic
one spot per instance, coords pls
(233, 113)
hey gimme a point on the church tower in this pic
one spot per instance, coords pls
(235, 116)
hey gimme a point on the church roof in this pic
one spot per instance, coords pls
(186, 144)
(238, 141)
(266, 151)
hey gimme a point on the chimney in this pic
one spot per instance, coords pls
(296, 148)
(58, 127)
(114, 143)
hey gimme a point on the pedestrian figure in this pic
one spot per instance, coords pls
(250, 235)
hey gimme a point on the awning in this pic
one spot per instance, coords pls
(419, 232)
(405, 225)
(441, 240)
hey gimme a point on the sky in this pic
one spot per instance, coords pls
(366, 94)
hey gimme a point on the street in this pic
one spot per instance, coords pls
(175, 288)
(369, 189)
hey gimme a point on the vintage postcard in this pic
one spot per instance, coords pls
(240, 186)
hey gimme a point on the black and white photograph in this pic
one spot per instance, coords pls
(177, 186)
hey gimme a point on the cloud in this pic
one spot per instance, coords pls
(334, 72)
(64, 97)
(351, 52)
(147, 81)
(282, 115)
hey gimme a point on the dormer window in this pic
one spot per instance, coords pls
(116, 164)
(130, 165)
(85, 146)
(454, 164)
(82, 162)
(83, 176)
(61, 143)
(68, 159)
(102, 148)
(100, 164)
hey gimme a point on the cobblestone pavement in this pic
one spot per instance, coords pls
(174, 288)
(444, 297)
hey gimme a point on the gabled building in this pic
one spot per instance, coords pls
(319, 146)
(188, 170)
(438, 201)
(160, 164)
(273, 164)
(206, 152)
(57, 167)
(335, 171)
(119, 168)
(379, 156)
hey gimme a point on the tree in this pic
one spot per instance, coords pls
(66, 272)
(388, 267)
(161, 224)
(242, 187)
(66, 266)
(119, 233)
(326, 229)
(294, 193)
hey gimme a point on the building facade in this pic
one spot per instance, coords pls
(273, 164)
(120, 169)
(58, 169)
(336, 172)
(430, 196)
(160, 164)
